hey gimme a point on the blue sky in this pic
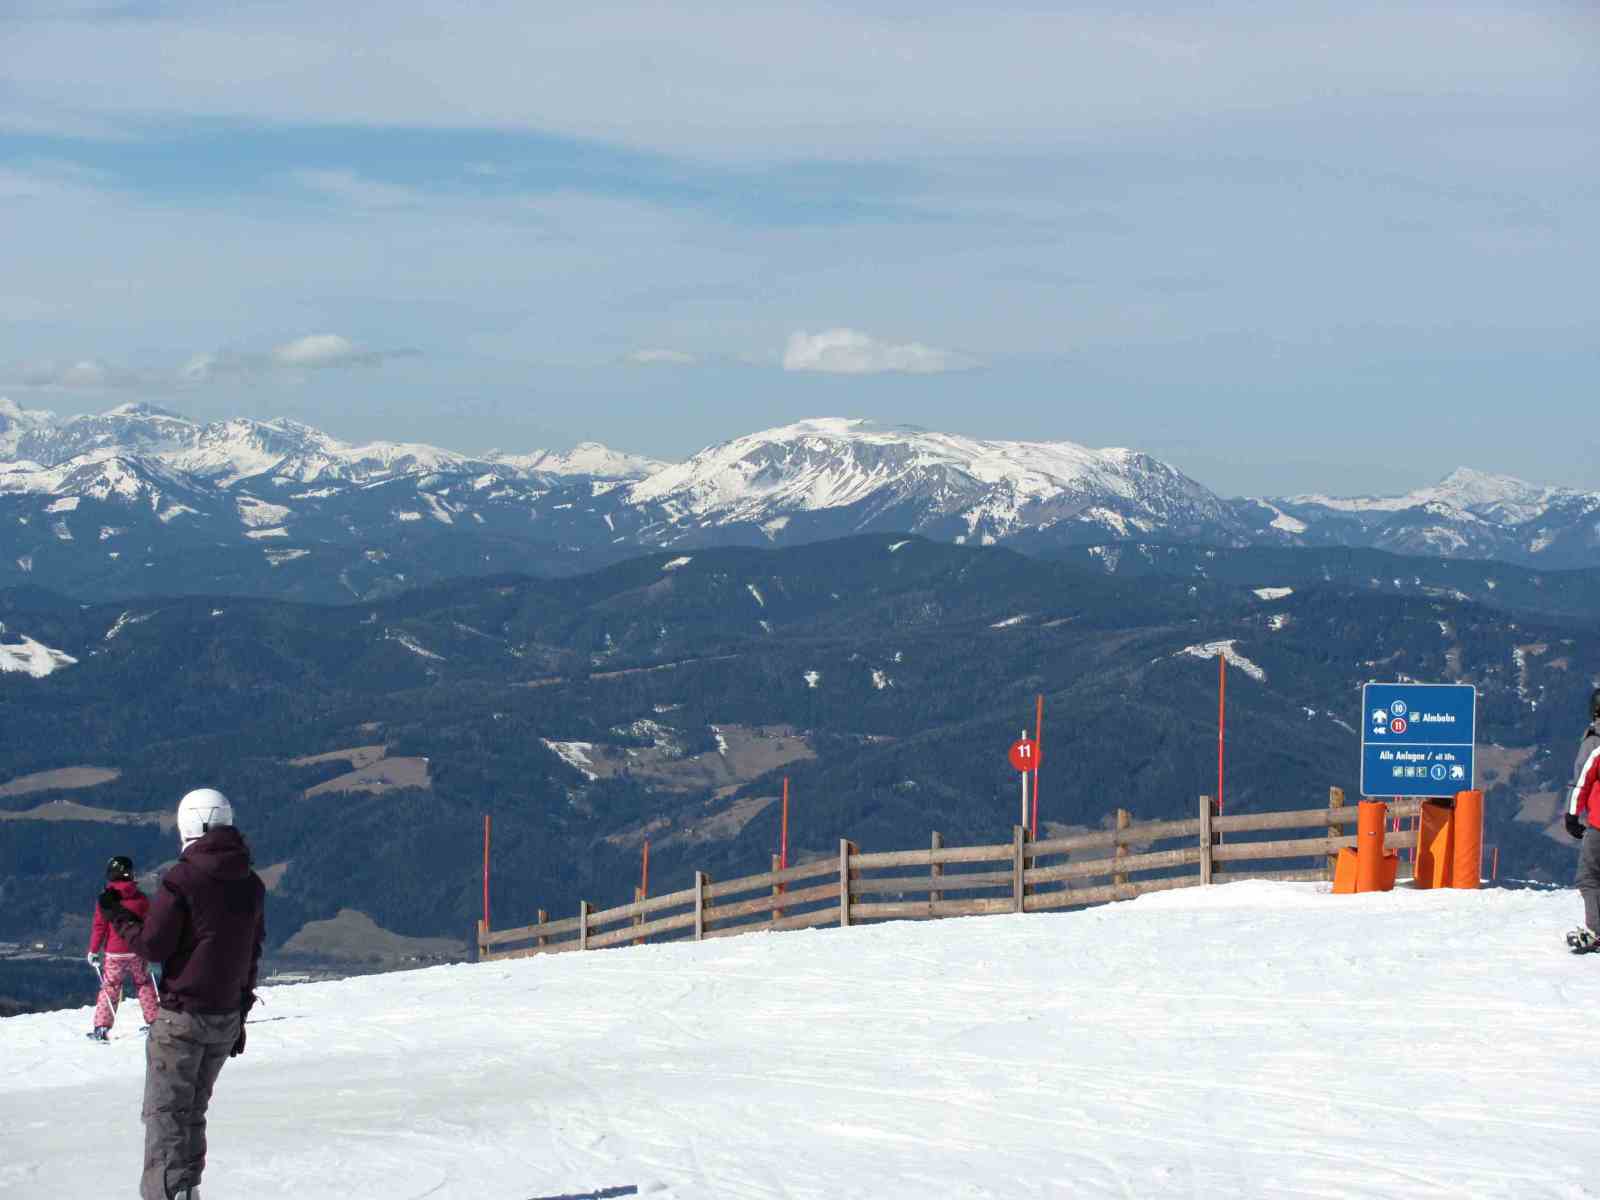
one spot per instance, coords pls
(1332, 247)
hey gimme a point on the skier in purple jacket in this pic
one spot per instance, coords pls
(205, 927)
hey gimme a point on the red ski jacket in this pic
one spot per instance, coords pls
(1585, 795)
(104, 936)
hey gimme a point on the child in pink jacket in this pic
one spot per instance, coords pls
(119, 962)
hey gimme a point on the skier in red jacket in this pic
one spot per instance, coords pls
(1583, 804)
(111, 957)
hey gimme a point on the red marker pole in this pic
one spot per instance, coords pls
(486, 872)
(644, 873)
(1221, 725)
(1038, 740)
(783, 844)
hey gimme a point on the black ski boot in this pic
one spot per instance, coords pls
(1583, 940)
(98, 1034)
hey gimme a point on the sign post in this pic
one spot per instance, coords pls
(1024, 757)
(1417, 739)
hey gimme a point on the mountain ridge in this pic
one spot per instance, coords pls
(97, 500)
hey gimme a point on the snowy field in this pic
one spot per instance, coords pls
(1250, 1040)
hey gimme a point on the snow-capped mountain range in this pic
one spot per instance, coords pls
(120, 500)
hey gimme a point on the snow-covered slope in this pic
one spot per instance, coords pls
(1468, 514)
(224, 453)
(144, 467)
(17, 423)
(1250, 1040)
(586, 458)
(879, 478)
(30, 657)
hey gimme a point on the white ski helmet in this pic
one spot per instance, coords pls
(201, 811)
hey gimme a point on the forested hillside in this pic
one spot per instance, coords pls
(667, 696)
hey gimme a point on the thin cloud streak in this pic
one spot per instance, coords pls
(850, 352)
(660, 358)
(314, 352)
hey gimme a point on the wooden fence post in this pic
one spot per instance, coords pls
(1205, 840)
(936, 869)
(483, 951)
(1019, 842)
(1124, 819)
(777, 888)
(846, 849)
(1335, 800)
(638, 918)
(544, 919)
(699, 905)
(583, 924)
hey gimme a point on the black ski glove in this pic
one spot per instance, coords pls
(245, 1006)
(1574, 826)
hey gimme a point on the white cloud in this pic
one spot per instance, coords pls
(660, 358)
(80, 375)
(317, 351)
(850, 352)
(355, 190)
(324, 350)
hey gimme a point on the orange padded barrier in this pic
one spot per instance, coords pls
(1466, 870)
(1434, 845)
(1391, 868)
(1369, 845)
(1344, 873)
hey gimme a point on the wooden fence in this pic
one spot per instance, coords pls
(1130, 859)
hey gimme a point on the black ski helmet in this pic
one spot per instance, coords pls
(119, 867)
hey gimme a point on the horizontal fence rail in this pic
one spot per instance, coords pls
(1131, 859)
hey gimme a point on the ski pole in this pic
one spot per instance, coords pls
(100, 976)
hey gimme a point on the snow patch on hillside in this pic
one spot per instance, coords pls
(1229, 651)
(575, 755)
(258, 514)
(122, 622)
(411, 644)
(1273, 593)
(29, 657)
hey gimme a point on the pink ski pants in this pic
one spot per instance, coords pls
(117, 968)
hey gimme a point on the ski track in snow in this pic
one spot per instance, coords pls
(1251, 1040)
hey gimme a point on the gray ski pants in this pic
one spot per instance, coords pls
(1589, 877)
(183, 1058)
